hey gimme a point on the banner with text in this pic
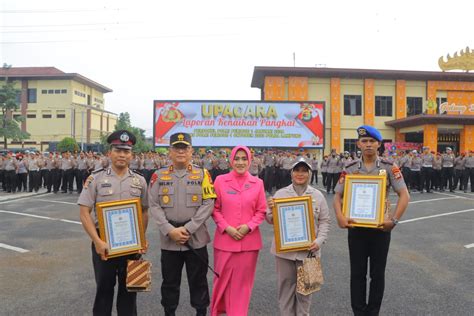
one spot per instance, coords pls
(250, 123)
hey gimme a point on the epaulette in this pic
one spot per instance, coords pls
(386, 162)
(98, 170)
(352, 163)
(196, 166)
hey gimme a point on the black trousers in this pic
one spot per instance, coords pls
(81, 176)
(437, 178)
(22, 179)
(43, 175)
(458, 178)
(416, 180)
(47, 178)
(367, 244)
(68, 178)
(268, 178)
(426, 177)
(331, 181)
(56, 176)
(325, 178)
(171, 268)
(314, 177)
(447, 175)
(406, 175)
(107, 273)
(10, 180)
(34, 182)
(2, 179)
(469, 176)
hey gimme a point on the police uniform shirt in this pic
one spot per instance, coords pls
(149, 163)
(437, 163)
(404, 161)
(33, 164)
(469, 162)
(49, 163)
(447, 161)
(82, 163)
(21, 166)
(415, 163)
(207, 163)
(10, 164)
(66, 163)
(382, 167)
(105, 185)
(254, 168)
(223, 163)
(324, 166)
(459, 163)
(287, 163)
(182, 196)
(333, 164)
(268, 160)
(314, 164)
(98, 164)
(134, 164)
(427, 160)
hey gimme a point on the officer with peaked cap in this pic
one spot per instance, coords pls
(116, 182)
(447, 171)
(181, 200)
(370, 243)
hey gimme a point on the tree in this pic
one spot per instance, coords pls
(67, 144)
(10, 124)
(123, 122)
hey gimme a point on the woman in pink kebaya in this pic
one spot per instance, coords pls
(238, 211)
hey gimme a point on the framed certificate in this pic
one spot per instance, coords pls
(121, 227)
(293, 223)
(364, 199)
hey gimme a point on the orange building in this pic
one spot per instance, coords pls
(435, 109)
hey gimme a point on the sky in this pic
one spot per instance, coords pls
(159, 50)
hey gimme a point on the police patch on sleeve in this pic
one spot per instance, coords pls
(396, 173)
(207, 187)
(88, 181)
(153, 179)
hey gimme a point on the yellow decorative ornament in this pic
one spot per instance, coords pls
(463, 61)
(166, 199)
(431, 105)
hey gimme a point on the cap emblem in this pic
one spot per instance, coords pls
(124, 137)
(180, 137)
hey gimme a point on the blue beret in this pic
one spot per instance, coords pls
(369, 131)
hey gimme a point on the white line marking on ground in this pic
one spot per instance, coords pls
(469, 246)
(422, 201)
(437, 215)
(458, 196)
(17, 249)
(41, 217)
(54, 201)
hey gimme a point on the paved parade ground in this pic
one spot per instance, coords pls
(46, 267)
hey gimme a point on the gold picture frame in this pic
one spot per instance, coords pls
(121, 226)
(364, 199)
(293, 223)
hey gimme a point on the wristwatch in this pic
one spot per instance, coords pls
(394, 221)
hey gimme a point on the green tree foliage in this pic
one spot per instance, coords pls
(10, 125)
(123, 122)
(67, 144)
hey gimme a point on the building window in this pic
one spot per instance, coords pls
(414, 106)
(60, 115)
(47, 116)
(44, 91)
(64, 91)
(57, 91)
(350, 145)
(30, 115)
(31, 95)
(18, 97)
(383, 106)
(50, 91)
(440, 101)
(352, 105)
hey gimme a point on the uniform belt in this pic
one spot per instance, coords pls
(178, 224)
(428, 166)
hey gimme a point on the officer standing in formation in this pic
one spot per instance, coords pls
(427, 159)
(370, 243)
(269, 171)
(117, 182)
(333, 171)
(469, 171)
(447, 163)
(34, 173)
(181, 199)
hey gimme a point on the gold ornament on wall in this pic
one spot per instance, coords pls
(463, 61)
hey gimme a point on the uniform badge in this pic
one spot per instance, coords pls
(165, 172)
(194, 177)
(165, 178)
(136, 182)
(396, 173)
(382, 172)
(194, 198)
(165, 190)
(196, 172)
(165, 199)
(153, 179)
(342, 177)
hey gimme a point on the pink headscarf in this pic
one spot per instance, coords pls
(244, 148)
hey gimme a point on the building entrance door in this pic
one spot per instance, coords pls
(442, 146)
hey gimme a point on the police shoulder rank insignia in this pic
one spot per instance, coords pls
(153, 179)
(165, 172)
(165, 178)
(88, 181)
(136, 182)
(194, 198)
(196, 172)
(382, 172)
(194, 177)
(396, 173)
(165, 199)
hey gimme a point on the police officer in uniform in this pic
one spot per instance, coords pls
(34, 176)
(469, 171)
(81, 171)
(10, 166)
(370, 243)
(447, 162)
(117, 182)
(426, 174)
(181, 199)
(269, 171)
(333, 171)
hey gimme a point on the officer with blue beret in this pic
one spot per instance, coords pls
(370, 243)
